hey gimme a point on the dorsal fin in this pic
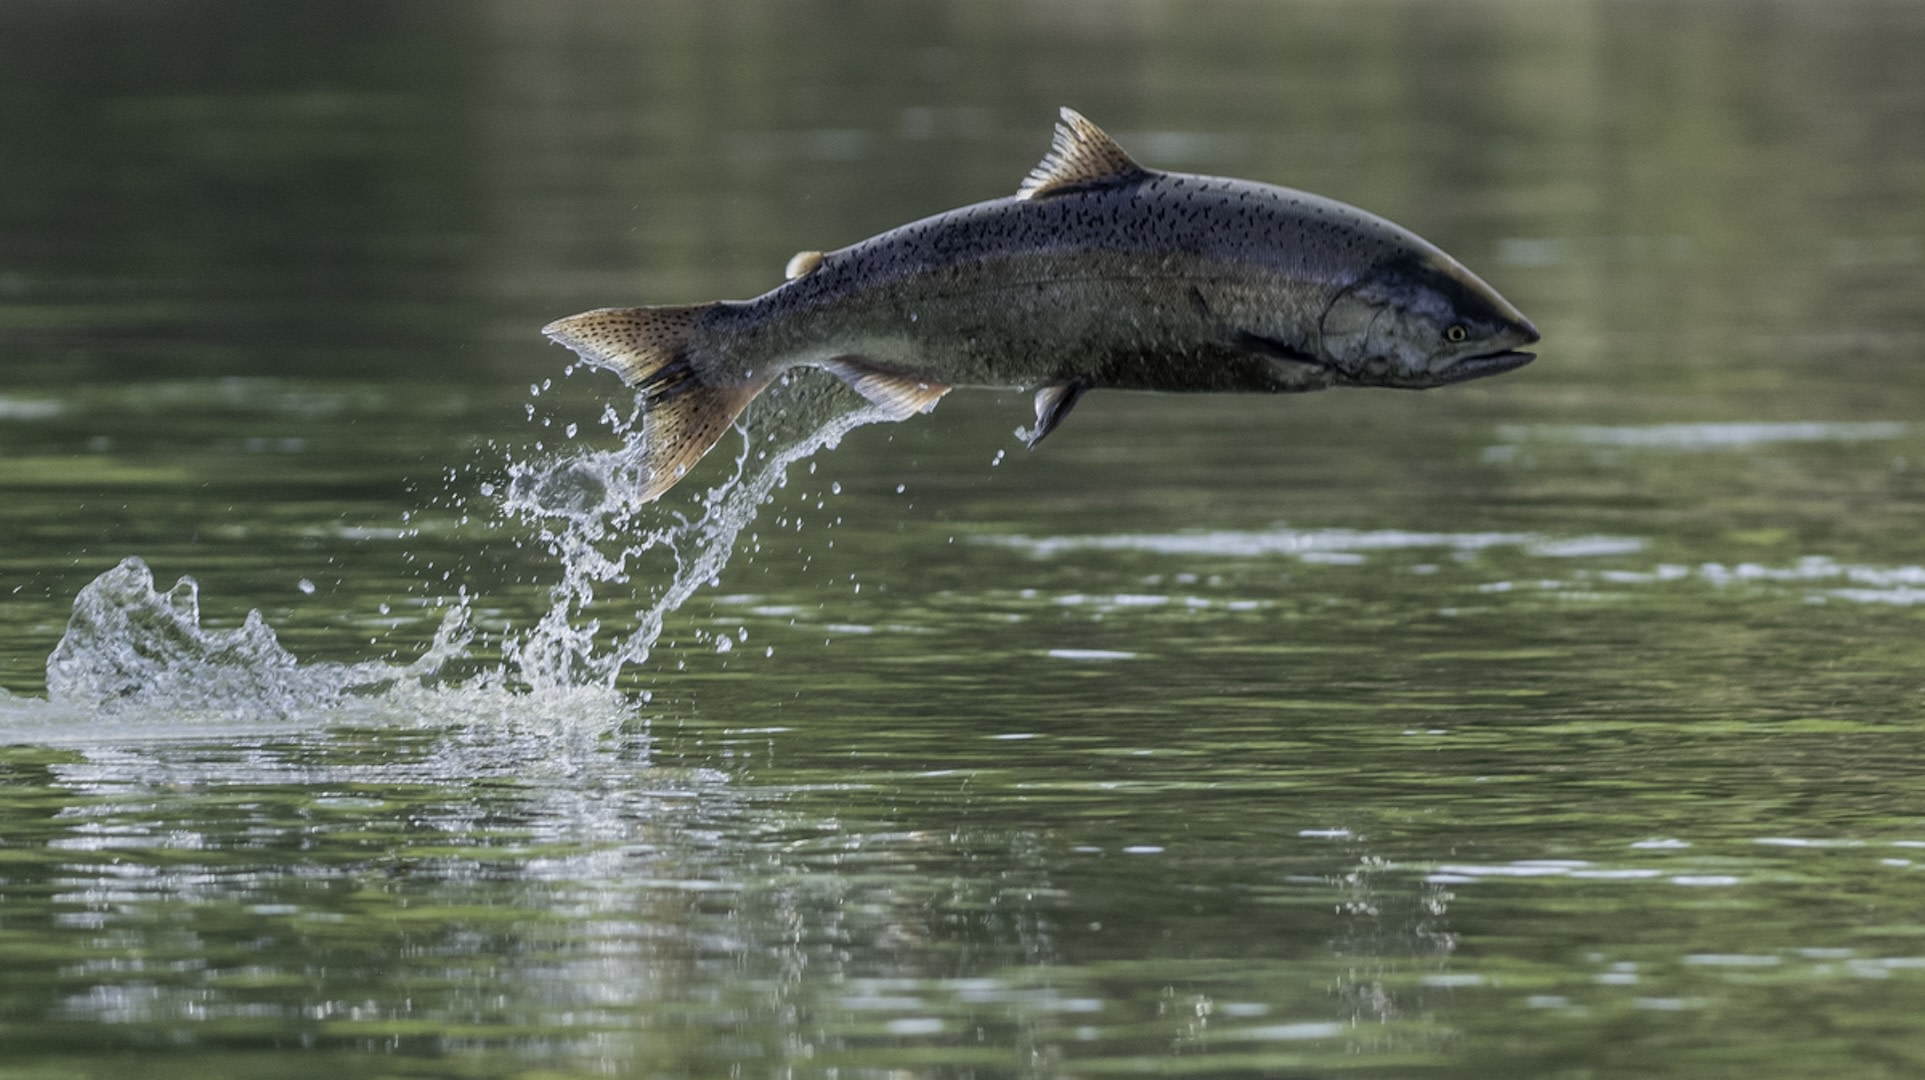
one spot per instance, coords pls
(1080, 155)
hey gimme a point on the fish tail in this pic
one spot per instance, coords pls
(685, 416)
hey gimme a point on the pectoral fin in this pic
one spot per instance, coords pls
(901, 396)
(1291, 369)
(1052, 404)
(1274, 349)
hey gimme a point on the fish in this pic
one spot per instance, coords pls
(1097, 274)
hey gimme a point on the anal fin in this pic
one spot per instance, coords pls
(1053, 403)
(901, 396)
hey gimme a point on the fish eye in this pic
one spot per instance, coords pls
(1455, 333)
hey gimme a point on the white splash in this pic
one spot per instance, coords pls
(128, 645)
(136, 661)
(585, 511)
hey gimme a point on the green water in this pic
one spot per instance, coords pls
(1566, 724)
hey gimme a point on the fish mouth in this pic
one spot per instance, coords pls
(1477, 367)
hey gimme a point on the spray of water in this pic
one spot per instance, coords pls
(132, 648)
(584, 509)
(128, 645)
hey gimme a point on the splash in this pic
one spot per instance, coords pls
(134, 652)
(585, 510)
(130, 646)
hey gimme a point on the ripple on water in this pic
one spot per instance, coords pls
(1849, 582)
(1318, 545)
(1724, 436)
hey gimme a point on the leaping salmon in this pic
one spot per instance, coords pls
(1097, 274)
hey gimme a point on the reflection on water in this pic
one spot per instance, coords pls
(1563, 724)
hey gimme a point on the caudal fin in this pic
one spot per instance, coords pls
(648, 348)
(638, 344)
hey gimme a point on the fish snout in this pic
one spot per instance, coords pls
(1496, 354)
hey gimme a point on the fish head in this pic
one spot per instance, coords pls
(1423, 321)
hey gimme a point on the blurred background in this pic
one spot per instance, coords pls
(212, 188)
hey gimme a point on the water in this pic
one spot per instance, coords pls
(1563, 724)
(588, 510)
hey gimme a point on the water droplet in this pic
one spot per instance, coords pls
(306, 586)
(582, 513)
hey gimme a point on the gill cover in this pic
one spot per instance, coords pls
(1348, 321)
(1422, 321)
